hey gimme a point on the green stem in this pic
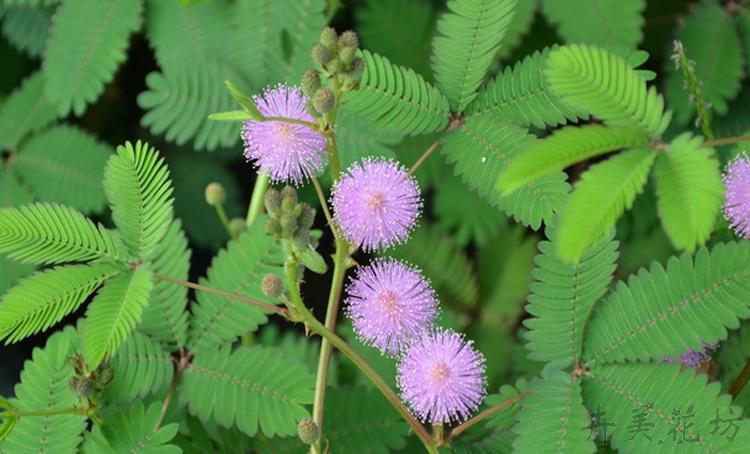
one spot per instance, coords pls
(223, 218)
(340, 265)
(324, 206)
(256, 200)
(726, 141)
(53, 412)
(424, 157)
(366, 369)
(334, 163)
(740, 381)
(459, 429)
(292, 120)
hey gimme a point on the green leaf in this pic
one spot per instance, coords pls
(166, 317)
(254, 35)
(552, 418)
(442, 262)
(27, 28)
(26, 110)
(141, 366)
(505, 418)
(619, 391)
(232, 115)
(43, 299)
(468, 39)
(616, 24)
(689, 191)
(666, 312)
(250, 107)
(87, 43)
(362, 420)
(252, 388)
(313, 261)
(519, 27)
(565, 147)
(179, 99)
(562, 299)
(481, 149)
(300, 24)
(465, 212)
(11, 272)
(48, 234)
(65, 164)
(31, 3)
(522, 95)
(606, 86)
(237, 269)
(44, 386)
(711, 41)
(396, 99)
(196, 31)
(600, 197)
(357, 139)
(12, 192)
(134, 431)
(385, 25)
(137, 184)
(114, 313)
(731, 359)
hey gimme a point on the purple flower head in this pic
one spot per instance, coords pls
(441, 377)
(737, 204)
(376, 203)
(288, 152)
(390, 305)
(692, 358)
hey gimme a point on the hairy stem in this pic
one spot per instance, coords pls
(740, 381)
(269, 307)
(256, 200)
(292, 120)
(180, 365)
(324, 207)
(424, 157)
(726, 141)
(340, 265)
(458, 430)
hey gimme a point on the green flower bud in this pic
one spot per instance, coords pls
(272, 201)
(106, 375)
(273, 227)
(320, 55)
(288, 223)
(83, 387)
(236, 227)
(306, 216)
(356, 69)
(272, 286)
(308, 431)
(288, 198)
(310, 82)
(346, 55)
(348, 39)
(310, 108)
(215, 194)
(323, 100)
(329, 38)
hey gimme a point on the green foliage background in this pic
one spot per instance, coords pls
(562, 169)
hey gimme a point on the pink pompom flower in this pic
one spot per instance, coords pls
(441, 377)
(289, 152)
(376, 203)
(390, 304)
(737, 196)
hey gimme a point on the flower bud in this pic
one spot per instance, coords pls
(346, 55)
(308, 431)
(236, 227)
(272, 285)
(310, 82)
(288, 223)
(273, 227)
(323, 100)
(272, 201)
(81, 386)
(306, 216)
(329, 38)
(356, 69)
(215, 194)
(106, 375)
(288, 198)
(348, 39)
(320, 54)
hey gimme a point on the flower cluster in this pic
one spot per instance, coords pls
(692, 358)
(737, 204)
